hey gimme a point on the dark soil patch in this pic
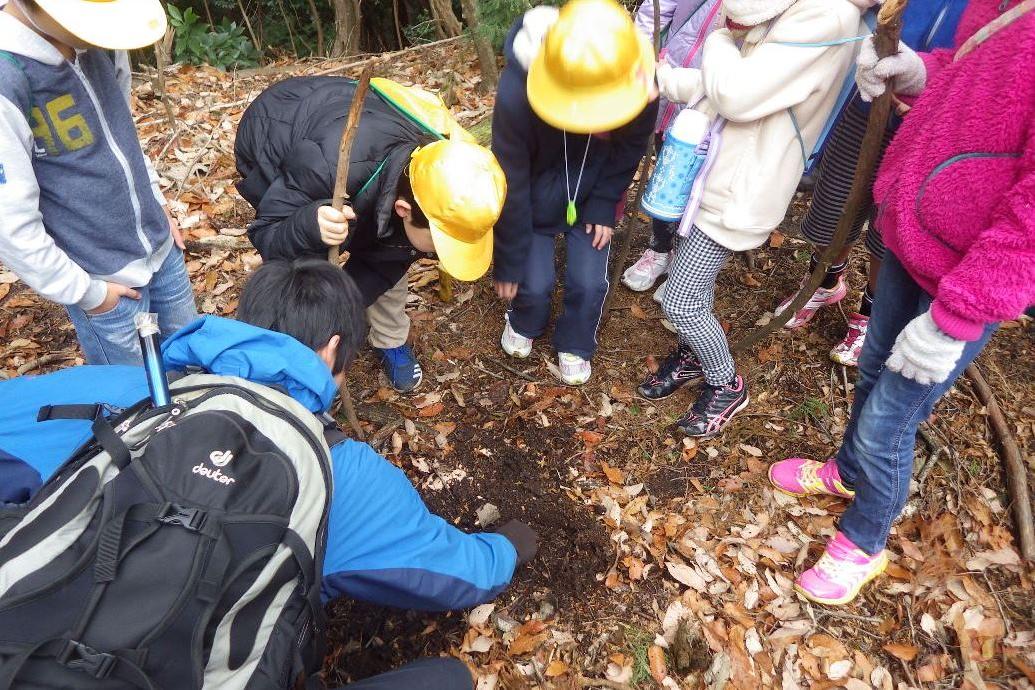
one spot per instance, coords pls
(364, 639)
(523, 476)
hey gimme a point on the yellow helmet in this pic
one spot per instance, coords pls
(461, 188)
(594, 71)
(110, 24)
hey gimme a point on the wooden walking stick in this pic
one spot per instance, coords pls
(338, 199)
(889, 28)
(348, 136)
(1016, 474)
(625, 241)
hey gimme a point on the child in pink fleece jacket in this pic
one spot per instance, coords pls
(956, 199)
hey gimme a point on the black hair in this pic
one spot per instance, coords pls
(310, 300)
(405, 192)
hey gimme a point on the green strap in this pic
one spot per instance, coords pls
(371, 179)
(407, 114)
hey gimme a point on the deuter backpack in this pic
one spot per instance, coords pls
(180, 547)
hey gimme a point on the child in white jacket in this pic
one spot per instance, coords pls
(773, 73)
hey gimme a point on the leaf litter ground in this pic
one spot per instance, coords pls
(663, 562)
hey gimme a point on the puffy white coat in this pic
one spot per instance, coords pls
(760, 161)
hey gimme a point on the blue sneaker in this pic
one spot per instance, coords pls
(401, 367)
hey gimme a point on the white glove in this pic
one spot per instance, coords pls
(529, 38)
(904, 69)
(679, 84)
(924, 353)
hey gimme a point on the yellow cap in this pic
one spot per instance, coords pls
(461, 188)
(110, 24)
(594, 71)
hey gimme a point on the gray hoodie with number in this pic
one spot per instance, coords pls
(79, 202)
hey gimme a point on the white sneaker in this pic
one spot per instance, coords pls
(575, 371)
(515, 344)
(659, 294)
(642, 275)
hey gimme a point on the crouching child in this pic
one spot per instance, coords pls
(298, 329)
(412, 194)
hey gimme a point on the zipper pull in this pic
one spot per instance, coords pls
(1003, 5)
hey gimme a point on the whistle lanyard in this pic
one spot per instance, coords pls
(571, 214)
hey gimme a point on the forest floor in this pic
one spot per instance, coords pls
(663, 562)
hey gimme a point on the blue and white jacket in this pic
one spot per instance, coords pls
(383, 544)
(79, 202)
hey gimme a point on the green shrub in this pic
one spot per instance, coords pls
(198, 43)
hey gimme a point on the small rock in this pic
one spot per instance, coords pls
(488, 514)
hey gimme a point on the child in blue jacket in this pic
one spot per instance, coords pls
(300, 326)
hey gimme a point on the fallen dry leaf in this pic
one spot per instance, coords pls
(656, 662)
(556, 668)
(905, 652)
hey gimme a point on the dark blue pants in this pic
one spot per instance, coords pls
(585, 287)
(876, 456)
(423, 674)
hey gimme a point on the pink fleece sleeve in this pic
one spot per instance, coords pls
(995, 281)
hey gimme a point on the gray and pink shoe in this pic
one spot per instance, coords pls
(823, 297)
(714, 409)
(840, 573)
(803, 477)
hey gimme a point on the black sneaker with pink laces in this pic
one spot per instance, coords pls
(675, 371)
(714, 409)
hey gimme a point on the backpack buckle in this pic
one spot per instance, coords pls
(79, 656)
(189, 518)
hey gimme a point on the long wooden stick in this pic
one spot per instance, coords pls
(625, 242)
(889, 28)
(1016, 473)
(348, 136)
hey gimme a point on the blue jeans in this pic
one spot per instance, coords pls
(111, 337)
(585, 287)
(876, 456)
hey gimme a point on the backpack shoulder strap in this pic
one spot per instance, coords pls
(993, 27)
(332, 433)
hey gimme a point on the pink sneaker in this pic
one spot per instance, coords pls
(847, 351)
(823, 297)
(840, 573)
(801, 477)
(644, 273)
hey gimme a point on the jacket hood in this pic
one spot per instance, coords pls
(232, 348)
(754, 12)
(17, 38)
(508, 46)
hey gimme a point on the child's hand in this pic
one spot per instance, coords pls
(679, 84)
(111, 300)
(601, 235)
(334, 224)
(506, 291)
(924, 353)
(174, 229)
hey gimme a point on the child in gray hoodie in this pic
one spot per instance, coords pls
(83, 221)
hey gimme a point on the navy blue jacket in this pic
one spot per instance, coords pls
(531, 154)
(382, 545)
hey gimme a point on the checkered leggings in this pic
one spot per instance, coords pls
(689, 299)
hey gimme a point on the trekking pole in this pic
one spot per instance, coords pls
(889, 28)
(348, 136)
(147, 332)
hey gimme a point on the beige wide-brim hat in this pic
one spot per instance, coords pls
(110, 24)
